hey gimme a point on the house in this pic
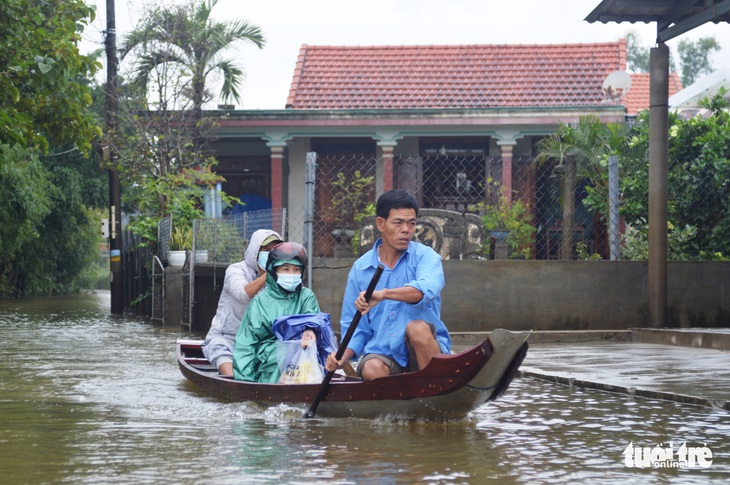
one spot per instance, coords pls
(454, 124)
(687, 101)
(637, 99)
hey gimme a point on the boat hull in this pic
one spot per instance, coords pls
(448, 388)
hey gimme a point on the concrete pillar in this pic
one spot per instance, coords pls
(507, 172)
(387, 167)
(277, 177)
(658, 183)
(172, 311)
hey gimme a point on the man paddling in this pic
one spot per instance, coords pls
(401, 328)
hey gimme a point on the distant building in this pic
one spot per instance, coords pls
(637, 99)
(687, 100)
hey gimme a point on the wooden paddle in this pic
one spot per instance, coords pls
(324, 387)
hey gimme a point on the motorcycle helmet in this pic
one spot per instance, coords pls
(286, 252)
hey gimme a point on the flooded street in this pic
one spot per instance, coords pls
(87, 398)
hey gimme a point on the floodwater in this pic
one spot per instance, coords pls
(88, 398)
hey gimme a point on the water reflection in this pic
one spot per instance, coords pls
(86, 398)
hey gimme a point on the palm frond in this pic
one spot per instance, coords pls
(146, 63)
(244, 31)
(232, 77)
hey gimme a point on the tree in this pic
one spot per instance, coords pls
(47, 237)
(47, 127)
(24, 203)
(44, 95)
(163, 140)
(580, 151)
(698, 182)
(186, 39)
(693, 57)
(164, 172)
(637, 56)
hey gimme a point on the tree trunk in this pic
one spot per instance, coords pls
(568, 207)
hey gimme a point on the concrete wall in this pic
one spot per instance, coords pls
(558, 295)
(540, 295)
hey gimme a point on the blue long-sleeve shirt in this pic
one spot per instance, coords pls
(382, 330)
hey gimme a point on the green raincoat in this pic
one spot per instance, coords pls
(254, 354)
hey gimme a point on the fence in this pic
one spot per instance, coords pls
(469, 210)
(223, 240)
(601, 211)
(140, 280)
(464, 203)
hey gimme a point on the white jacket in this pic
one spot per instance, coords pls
(218, 346)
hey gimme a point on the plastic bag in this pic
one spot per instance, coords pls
(291, 327)
(299, 365)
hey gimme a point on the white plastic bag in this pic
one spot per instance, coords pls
(299, 365)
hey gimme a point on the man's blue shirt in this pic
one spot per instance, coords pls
(382, 330)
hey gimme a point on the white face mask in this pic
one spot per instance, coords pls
(263, 257)
(289, 281)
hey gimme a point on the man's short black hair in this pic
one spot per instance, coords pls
(395, 199)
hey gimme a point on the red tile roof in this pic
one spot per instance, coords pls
(637, 99)
(456, 76)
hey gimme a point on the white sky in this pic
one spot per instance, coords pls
(287, 24)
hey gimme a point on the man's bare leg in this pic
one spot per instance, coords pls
(374, 368)
(424, 344)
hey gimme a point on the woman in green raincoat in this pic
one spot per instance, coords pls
(254, 354)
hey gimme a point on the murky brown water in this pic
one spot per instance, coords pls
(87, 398)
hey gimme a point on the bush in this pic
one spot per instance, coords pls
(513, 218)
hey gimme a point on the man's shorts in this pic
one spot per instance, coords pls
(395, 367)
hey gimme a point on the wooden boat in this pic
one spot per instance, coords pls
(448, 388)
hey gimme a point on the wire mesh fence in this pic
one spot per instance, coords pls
(469, 209)
(224, 240)
(345, 190)
(164, 233)
(538, 210)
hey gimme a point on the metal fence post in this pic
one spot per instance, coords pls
(613, 226)
(309, 211)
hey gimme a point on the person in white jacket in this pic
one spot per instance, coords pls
(242, 282)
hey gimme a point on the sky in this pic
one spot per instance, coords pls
(288, 24)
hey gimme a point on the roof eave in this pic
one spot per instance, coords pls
(673, 18)
(284, 114)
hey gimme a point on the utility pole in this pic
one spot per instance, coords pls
(658, 184)
(115, 191)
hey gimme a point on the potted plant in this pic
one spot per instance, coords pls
(181, 241)
(509, 225)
